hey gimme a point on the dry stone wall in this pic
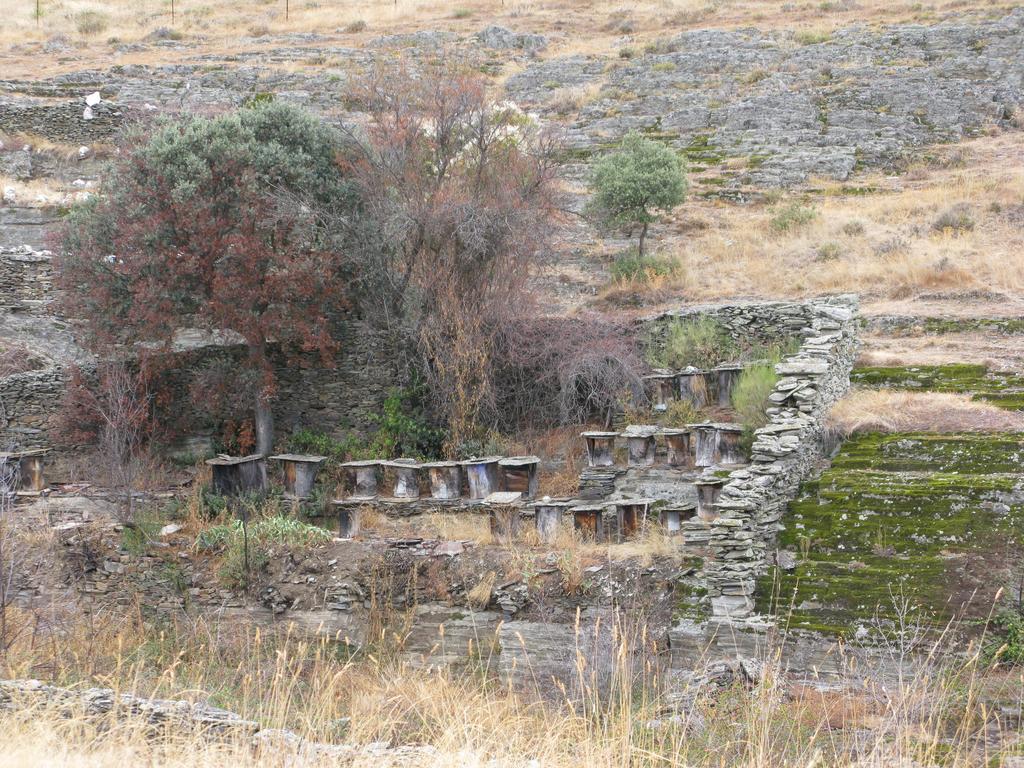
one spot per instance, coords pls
(784, 453)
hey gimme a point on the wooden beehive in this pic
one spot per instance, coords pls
(239, 475)
(520, 474)
(298, 473)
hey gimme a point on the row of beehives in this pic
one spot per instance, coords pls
(696, 445)
(473, 479)
(399, 479)
(610, 521)
(698, 387)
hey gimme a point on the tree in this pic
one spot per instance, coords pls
(458, 203)
(631, 185)
(212, 224)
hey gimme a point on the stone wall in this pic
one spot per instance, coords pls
(26, 279)
(60, 120)
(28, 401)
(784, 453)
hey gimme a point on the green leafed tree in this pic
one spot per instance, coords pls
(634, 185)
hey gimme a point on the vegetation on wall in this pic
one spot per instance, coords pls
(701, 343)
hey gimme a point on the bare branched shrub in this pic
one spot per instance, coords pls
(564, 370)
(11, 554)
(113, 412)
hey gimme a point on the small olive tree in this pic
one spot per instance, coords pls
(632, 185)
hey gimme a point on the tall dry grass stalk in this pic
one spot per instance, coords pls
(608, 711)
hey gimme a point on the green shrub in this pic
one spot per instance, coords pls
(1007, 645)
(750, 394)
(402, 429)
(702, 343)
(462, 13)
(828, 252)
(791, 216)
(355, 26)
(91, 22)
(631, 267)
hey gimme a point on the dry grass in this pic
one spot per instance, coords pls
(884, 410)
(575, 27)
(874, 235)
(281, 679)
(993, 350)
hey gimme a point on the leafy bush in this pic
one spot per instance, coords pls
(702, 343)
(791, 216)
(631, 267)
(403, 429)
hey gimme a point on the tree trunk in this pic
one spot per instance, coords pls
(264, 427)
(643, 235)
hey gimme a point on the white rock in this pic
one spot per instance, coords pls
(83, 152)
(93, 99)
(87, 113)
(9, 195)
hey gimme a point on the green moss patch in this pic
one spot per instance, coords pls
(1005, 390)
(933, 518)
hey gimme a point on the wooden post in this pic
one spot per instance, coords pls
(693, 387)
(641, 444)
(505, 514)
(349, 514)
(445, 479)
(237, 475)
(405, 478)
(708, 491)
(299, 473)
(725, 377)
(520, 474)
(673, 515)
(661, 389)
(482, 475)
(588, 522)
(678, 448)
(600, 448)
(730, 450)
(705, 447)
(631, 515)
(361, 477)
(547, 517)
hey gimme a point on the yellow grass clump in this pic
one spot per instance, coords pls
(868, 410)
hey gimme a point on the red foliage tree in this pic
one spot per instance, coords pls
(209, 225)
